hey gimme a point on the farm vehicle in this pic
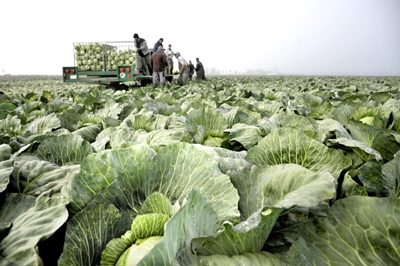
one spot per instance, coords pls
(109, 63)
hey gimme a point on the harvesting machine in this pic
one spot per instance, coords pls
(109, 63)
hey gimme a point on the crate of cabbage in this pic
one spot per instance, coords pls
(110, 63)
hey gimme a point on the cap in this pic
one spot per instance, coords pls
(160, 48)
(135, 35)
(177, 53)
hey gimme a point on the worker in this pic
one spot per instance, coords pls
(157, 44)
(143, 55)
(170, 57)
(200, 75)
(158, 64)
(191, 69)
(183, 78)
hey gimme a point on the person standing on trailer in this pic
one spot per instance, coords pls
(157, 44)
(143, 55)
(158, 64)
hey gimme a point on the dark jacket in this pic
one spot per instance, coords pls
(191, 68)
(156, 45)
(159, 61)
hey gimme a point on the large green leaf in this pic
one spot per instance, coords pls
(378, 139)
(11, 126)
(391, 176)
(27, 169)
(262, 258)
(33, 225)
(196, 218)
(89, 132)
(281, 186)
(161, 137)
(42, 125)
(143, 227)
(358, 231)
(6, 166)
(202, 123)
(246, 135)
(100, 170)
(359, 147)
(264, 192)
(88, 233)
(227, 160)
(14, 205)
(118, 136)
(33, 177)
(173, 172)
(288, 145)
(370, 175)
(64, 149)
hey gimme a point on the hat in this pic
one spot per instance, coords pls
(135, 35)
(160, 48)
(177, 53)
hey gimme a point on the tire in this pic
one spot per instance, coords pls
(145, 82)
(169, 78)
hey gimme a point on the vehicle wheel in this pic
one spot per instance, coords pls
(145, 82)
(169, 78)
(119, 86)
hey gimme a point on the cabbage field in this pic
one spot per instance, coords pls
(235, 170)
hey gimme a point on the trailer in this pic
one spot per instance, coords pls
(109, 63)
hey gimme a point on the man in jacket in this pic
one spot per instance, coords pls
(200, 75)
(191, 69)
(157, 44)
(143, 55)
(183, 78)
(158, 63)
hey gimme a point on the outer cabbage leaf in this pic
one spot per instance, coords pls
(6, 166)
(27, 170)
(161, 137)
(100, 170)
(378, 139)
(227, 160)
(262, 258)
(42, 125)
(370, 175)
(352, 188)
(246, 135)
(264, 192)
(363, 147)
(89, 132)
(203, 123)
(64, 149)
(35, 224)
(87, 234)
(173, 172)
(358, 231)
(143, 227)
(196, 218)
(288, 145)
(391, 176)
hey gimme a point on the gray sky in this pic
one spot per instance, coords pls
(328, 37)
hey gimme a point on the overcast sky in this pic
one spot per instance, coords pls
(328, 37)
